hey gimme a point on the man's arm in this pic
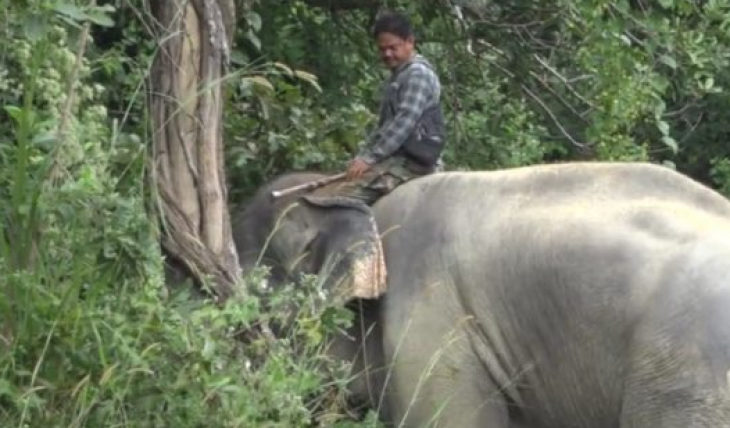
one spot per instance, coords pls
(413, 101)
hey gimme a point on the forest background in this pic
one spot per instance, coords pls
(90, 335)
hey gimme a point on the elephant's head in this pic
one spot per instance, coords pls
(331, 236)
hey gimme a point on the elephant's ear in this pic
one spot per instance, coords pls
(359, 267)
(337, 202)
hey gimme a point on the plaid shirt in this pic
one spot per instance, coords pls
(411, 88)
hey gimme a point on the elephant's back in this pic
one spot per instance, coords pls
(557, 184)
(646, 196)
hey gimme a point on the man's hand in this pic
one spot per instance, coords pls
(357, 168)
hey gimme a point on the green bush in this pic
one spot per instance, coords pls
(276, 125)
(89, 333)
(720, 173)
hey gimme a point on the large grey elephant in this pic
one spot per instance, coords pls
(576, 295)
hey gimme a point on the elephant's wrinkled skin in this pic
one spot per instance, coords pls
(576, 295)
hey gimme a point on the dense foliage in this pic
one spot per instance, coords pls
(528, 82)
(89, 333)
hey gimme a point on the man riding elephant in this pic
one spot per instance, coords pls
(410, 134)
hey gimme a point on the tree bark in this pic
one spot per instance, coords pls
(186, 108)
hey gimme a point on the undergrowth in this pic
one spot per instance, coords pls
(90, 335)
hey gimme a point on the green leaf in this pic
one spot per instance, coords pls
(708, 83)
(668, 61)
(96, 15)
(254, 20)
(35, 27)
(663, 127)
(106, 8)
(99, 17)
(254, 39)
(671, 143)
(667, 4)
(7, 389)
(45, 139)
(239, 58)
(208, 349)
(659, 84)
(71, 11)
(14, 112)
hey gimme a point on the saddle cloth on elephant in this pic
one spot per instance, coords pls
(378, 181)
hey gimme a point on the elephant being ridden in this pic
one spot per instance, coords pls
(575, 295)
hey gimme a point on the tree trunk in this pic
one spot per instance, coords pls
(186, 108)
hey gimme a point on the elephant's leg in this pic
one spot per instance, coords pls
(435, 378)
(362, 346)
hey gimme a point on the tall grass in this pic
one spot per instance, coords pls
(89, 333)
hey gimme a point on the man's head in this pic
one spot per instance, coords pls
(394, 38)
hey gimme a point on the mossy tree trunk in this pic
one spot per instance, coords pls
(186, 104)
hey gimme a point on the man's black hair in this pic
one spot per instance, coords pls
(393, 23)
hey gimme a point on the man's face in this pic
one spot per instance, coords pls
(393, 50)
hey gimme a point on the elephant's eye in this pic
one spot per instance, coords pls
(313, 253)
(303, 258)
(308, 248)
